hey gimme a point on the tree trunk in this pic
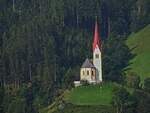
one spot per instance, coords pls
(13, 5)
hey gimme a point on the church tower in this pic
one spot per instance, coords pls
(97, 58)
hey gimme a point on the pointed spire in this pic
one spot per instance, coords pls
(97, 39)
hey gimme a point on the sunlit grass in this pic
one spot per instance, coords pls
(141, 43)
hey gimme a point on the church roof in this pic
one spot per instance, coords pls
(97, 39)
(87, 64)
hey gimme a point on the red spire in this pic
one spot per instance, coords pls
(97, 39)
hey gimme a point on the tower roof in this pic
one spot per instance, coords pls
(87, 64)
(97, 39)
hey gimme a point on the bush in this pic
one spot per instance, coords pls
(132, 80)
(147, 85)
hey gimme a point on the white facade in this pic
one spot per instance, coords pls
(97, 61)
(88, 74)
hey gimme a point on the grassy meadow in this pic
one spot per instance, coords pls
(91, 95)
(139, 43)
(86, 109)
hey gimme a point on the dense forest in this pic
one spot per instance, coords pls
(44, 42)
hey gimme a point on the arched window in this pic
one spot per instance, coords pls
(92, 72)
(83, 72)
(87, 72)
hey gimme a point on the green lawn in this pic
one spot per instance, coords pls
(86, 109)
(91, 95)
(141, 43)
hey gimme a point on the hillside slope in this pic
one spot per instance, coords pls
(84, 99)
(139, 43)
(91, 95)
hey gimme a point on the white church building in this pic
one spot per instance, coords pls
(91, 70)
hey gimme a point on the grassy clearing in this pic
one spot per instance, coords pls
(86, 109)
(86, 99)
(140, 45)
(91, 95)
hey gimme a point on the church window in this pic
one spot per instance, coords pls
(83, 72)
(87, 72)
(97, 55)
(92, 72)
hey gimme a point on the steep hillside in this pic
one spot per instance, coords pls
(139, 43)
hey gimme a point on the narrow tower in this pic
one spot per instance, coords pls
(97, 59)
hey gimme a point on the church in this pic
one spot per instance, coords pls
(91, 69)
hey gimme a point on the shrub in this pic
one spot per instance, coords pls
(132, 80)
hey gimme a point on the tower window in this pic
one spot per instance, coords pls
(97, 56)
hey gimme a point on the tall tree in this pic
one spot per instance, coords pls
(115, 59)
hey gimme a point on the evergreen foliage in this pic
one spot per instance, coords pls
(41, 39)
(115, 59)
(123, 101)
(147, 85)
(132, 80)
